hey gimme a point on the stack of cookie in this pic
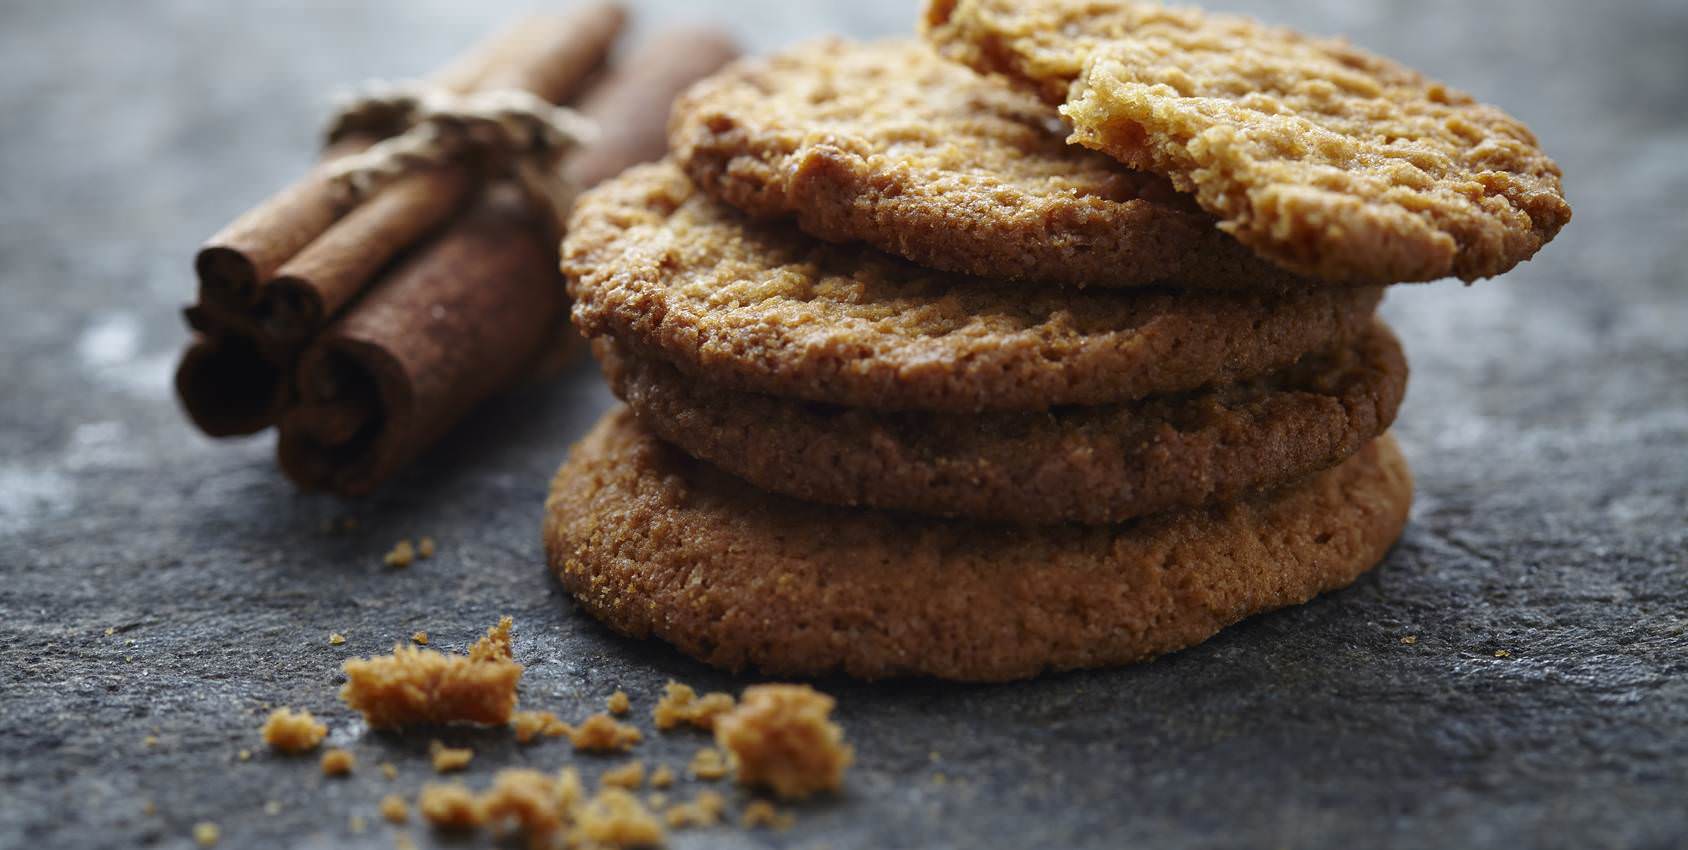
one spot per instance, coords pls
(915, 386)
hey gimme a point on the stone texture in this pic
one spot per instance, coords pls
(1547, 424)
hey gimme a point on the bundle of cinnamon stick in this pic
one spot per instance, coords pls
(365, 333)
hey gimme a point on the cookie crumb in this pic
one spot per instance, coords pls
(110, 630)
(450, 806)
(394, 809)
(618, 703)
(335, 639)
(780, 738)
(763, 813)
(536, 802)
(244, 755)
(420, 638)
(272, 808)
(357, 824)
(149, 741)
(206, 834)
(425, 548)
(708, 763)
(680, 704)
(447, 759)
(403, 841)
(629, 776)
(704, 810)
(415, 686)
(1409, 640)
(389, 770)
(293, 732)
(602, 733)
(338, 762)
(400, 556)
(662, 777)
(1501, 653)
(532, 724)
(616, 818)
(149, 808)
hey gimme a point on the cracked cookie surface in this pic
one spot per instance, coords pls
(765, 308)
(1332, 161)
(889, 144)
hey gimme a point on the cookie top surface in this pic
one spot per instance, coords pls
(765, 308)
(889, 144)
(1334, 162)
(1073, 464)
(658, 544)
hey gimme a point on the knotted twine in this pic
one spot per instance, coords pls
(508, 133)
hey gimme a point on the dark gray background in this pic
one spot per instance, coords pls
(1547, 422)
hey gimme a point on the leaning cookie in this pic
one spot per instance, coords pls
(889, 144)
(762, 307)
(1075, 464)
(655, 543)
(1334, 162)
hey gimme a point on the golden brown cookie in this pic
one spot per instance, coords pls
(891, 145)
(764, 308)
(1332, 161)
(1072, 464)
(655, 543)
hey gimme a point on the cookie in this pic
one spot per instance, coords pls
(655, 543)
(765, 308)
(1329, 160)
(891, 145)
(1073, 464)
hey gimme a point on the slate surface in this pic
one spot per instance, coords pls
(1548, 424)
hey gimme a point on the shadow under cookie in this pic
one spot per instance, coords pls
(657, 544)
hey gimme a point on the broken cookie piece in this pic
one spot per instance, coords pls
(415, 686)
(780, 738)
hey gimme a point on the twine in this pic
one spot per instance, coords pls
(510, 133)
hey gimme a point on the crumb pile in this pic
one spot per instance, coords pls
(1048, 341)
(778, 738)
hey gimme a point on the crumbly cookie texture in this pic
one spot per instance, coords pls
(781, 737)
(1073, 464)
(888, 144)
(549, 810)
(338, 762)
(680, 705)
(293, 732)
(423, 687)
(765, 308)
(447, 759)
(604, 734)
(655, 543)
(1332, 161)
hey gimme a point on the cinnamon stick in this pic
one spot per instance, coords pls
(556, 56)
(462, 316)
(475, 310)
(238, 259)
(249, 392)
(230, 386)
